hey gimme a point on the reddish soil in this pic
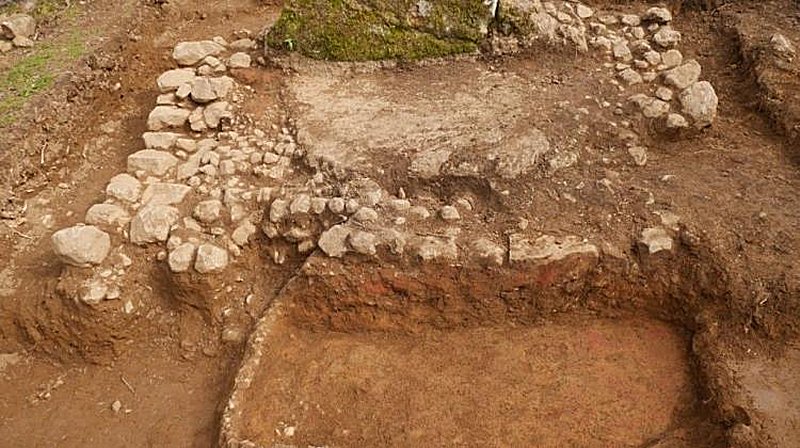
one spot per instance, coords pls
(572, 382)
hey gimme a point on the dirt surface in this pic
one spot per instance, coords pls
(576, 382)
(417, 347)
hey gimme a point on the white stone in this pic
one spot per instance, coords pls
(630, 76)
(278, 210)
(334, 241)
(622, 52)
(638, 154)
(683, 76)
(107, 215)
(300, 204)
(363, 242)
(151, 161)
(672, 58)
(17, 25)
(209, 211)
(667, 37)
(365, 215)
(160, 140)
(631, 19)
(488, 252)
(171, 80)
(81, 246)
(242, 234)
(449, 213)
(190, 53)
(676, 121)
(655, 239)
(163, 117)
(547, 249)
(239, 60)
(429, 248)
(162, 193)
(210, 258)
(182, 257)
(153, 223)
(124, 187)
(215, 112)
(664, 94)
(658, 15)
(583, 11)
(699, 103)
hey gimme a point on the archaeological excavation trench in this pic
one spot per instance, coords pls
(583, 236)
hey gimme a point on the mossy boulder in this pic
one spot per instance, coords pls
(360, 30)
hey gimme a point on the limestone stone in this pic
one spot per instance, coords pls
(363, 242)
(664, 94)
(181, 258)
(449, 213)
(488, 252)
(676, 121)
(430, 248)
(657, 15)
(163, 117)
(520, 154)
(209, 211)
(210, 258)
(190, 53)
(300, 204)
(548, 248)
(365, 215)
(171, 80)
(672, 58)
(205, 89)
(699, 103)
(278, 210)
(622, 52)
(631, 19)
(151, 161)
(239, 60)
(81, 246)
(124, 187)
(318, 205)
(17, 25)
(153, 223)
(631, 76)
(655, 239)
(684, 75)
(160, 140)
(214, 113)
(666, 37)
(655, 108)
(242, 234)
(163, 193)
(638, 154)
(334, 241)
(107, 215)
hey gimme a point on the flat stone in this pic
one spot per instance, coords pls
(205, 89)
(666, 37)
(153, 223)
(676, 121)
(655, 108)
(162, 193)
(519, 155)
(583, 11)
(664, 94)
(210, 258)
(449, 213)
(684, 75)
(365, 215)
(300, 205)
(242, 234)
(190, 53)
(182, 257)
(278, 210)
(488, 252)
(17, 25)
(124, 187)
(638, 154)
(622, 52)
(430, 248)
(163, 117)
(672, 58)
(631, 19)
(547, 249)
(171, 80)
(81, 246)
(363, 242)
(631, 76)
(160, 140)
(699, 102)
(239, 60)
(151, 161)
(107, 215)
(428, 164)
(657, 15)
(334, 241)
(655, 239)
(208, 212)
(214, 113)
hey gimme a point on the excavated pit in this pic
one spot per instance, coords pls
(425, 355)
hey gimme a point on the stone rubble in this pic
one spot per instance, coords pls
(16, 30)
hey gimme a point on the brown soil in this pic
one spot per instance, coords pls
(572, 382)
(720, 371)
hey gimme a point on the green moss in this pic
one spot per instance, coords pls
(349, 30)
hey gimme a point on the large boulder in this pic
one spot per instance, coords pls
(81, 246)
(358, 30)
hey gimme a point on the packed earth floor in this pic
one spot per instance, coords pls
(584, 234)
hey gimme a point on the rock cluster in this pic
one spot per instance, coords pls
(16, 30)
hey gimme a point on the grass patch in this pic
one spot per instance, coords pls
(44, 11)
(34, 73)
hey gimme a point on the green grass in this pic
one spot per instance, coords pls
(39, 69)
(34, 73)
